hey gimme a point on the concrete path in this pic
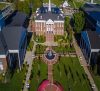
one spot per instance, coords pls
(84, 64)
(29, 59)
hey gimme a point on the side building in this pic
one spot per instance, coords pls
(90, 37)
(13, 41)
(90, 45)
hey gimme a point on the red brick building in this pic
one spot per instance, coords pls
(49, 19)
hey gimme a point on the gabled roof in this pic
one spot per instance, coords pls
(94, 39)
(91, 7)
(54, 14)
(13, 36)
(49, 15)
(17, 19)
(93, 10)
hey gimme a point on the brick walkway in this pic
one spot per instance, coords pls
(49, 37)
(50, 73)
(84, 64)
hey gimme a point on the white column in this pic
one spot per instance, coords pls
(90, 58)
(19, 61)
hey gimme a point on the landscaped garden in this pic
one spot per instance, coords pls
(97, 81)
(40, 49)
(39, 39)
(2, 5)
(63, 49)
(70, 75)
(16, 80)
(39, 73)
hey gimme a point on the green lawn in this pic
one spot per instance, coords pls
(40, 49)
(16, 82)
(39, 39)
(39, 73)
(58, 37)
(97, 81)
(62, 49)
(70, 75)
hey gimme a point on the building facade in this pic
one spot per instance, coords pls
(90, 45)
(49, 19)
(13, 41)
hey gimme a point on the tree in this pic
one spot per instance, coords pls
(79, 21)
(67, 23)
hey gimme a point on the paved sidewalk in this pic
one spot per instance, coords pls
(50, 73)
(29, 59)
(84, 64)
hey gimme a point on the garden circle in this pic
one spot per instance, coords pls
(50, 56)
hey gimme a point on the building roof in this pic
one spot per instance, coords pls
(95, 15)
(91, 7)
(54, 14)
(17, 19)
(13, 36)
(94, 39)
(92, 10)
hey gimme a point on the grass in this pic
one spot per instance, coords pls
(15, 83)
(97, 81)
(62, 49)
(2, 5)
(40, 49)
(58, 37)
(70, 75)
(36, 79)
(40, 39)
(30, 46)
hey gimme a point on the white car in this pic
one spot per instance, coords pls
(93, 85)
(27, 85)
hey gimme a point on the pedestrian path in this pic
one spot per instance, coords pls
(84, 64)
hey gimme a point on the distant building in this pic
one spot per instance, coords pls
(4, 13)
(65, 4)
(92, 13)
(49, 20)
(67, 9)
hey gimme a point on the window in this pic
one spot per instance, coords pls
(1, 66)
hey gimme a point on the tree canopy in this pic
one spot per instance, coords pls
(79, 21)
